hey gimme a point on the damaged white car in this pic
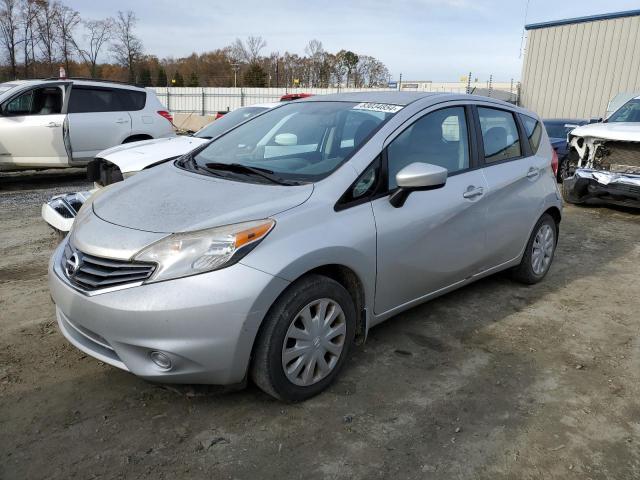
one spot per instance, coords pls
(604, 160)
(118, 163)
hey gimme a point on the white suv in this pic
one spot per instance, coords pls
(62, 123)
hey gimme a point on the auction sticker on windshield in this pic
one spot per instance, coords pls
(378, 107)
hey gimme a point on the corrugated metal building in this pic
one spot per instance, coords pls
(574, 67)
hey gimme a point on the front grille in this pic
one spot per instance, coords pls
(68, 205)
(94, 273)
(619, 156)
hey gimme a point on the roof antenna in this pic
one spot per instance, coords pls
(526, 12)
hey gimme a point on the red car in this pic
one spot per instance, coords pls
(294, 96)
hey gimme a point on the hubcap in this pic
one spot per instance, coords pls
(314, 342)
(543, 246)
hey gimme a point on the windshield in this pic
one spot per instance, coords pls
(629, 112)
(229, 121)
(302, 141)
(559, 129)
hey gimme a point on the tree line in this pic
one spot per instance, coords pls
(38, 36)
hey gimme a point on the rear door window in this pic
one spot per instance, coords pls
(533, 129)
(92, 100)
(499, 135)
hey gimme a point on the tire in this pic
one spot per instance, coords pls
(530, 271)
(285, 319)
(568, 196)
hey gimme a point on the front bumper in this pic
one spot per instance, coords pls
(61, 210)
(206, 324)
(610, 187)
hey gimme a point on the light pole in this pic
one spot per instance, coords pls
(236, 67)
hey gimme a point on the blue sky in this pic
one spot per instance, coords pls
(437, 40)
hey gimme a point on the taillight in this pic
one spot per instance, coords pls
(165, 114)
(218, 115)
(554, 161)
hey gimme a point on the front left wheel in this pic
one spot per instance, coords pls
(305, 339)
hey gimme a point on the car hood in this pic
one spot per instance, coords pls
(168, 199)
(133, 157)
(621, 131)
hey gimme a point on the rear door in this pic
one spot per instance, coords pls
(513, 173)
(97, 120)
(437, 238)
(32, 127)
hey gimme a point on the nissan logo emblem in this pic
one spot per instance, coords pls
(73, 264)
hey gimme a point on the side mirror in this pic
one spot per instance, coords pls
(417, 176)
(286, 139)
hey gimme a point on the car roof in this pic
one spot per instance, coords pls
(391, 97)
(93, 83)
(405, 98)
(264, 105)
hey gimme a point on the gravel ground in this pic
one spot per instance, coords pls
(496, 380)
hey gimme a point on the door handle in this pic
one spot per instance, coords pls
(533, 172)
(122, 120)
(473, 192)
(53, 125)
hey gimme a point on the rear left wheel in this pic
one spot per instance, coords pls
(305, 339)
(539, 252)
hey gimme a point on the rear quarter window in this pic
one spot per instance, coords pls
(132, 100)
(533, 129)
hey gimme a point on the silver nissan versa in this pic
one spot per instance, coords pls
(267, 253)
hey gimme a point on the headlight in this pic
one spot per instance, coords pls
(184, 254)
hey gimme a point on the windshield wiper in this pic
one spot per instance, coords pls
(239, 168)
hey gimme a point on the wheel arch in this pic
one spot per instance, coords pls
(137, 138)
(554, 212)
(351, 282)
(346, 277)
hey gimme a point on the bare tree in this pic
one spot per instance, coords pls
(46, 20)
(9, 32)
(248, 51)
(315, 52)
(97, 34)
(28, 14)
(127, 47)
(66, 22)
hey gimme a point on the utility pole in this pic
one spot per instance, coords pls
(400, 83)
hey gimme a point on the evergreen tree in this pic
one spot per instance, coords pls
(255, 76)
(145, 77)
(162, 78)
(194, 81)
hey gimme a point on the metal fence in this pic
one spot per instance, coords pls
(209, 100)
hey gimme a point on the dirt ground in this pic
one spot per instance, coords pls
(494, 381)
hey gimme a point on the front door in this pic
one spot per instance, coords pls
(33, 128)
(437, 238)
